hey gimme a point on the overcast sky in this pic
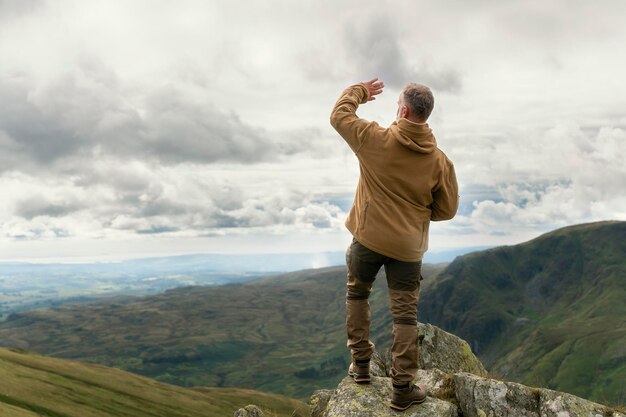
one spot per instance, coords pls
(132, 128)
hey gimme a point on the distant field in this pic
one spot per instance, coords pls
(30, 286)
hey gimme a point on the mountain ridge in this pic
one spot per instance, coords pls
(547, 312)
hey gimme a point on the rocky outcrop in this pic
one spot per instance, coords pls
(446, 352)
(482, 397)
(319, 402)
(438, 350)
(249, 411)
(458, 386)
(360, 400)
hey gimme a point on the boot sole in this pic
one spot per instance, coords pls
(361, 379)
(404, 406)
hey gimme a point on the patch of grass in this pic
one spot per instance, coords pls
(60, 388)
(42, 411)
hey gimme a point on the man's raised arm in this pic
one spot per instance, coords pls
(343, 117)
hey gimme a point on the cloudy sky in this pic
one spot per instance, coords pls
(132, 128)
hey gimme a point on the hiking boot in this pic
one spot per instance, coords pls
(403, 397)
(360, 372)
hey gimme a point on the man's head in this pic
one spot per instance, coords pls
(415, 103)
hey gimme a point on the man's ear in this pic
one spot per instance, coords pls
(404, 112)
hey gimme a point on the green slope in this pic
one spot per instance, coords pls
(549, 312)
(281, 334)
(32, 385)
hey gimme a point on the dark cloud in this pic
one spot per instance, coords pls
(177, 130)
(28, 131)
(10, 9)
(88, 111)
(40, 206)
(157, 230)
(375, 46)
(373, 43)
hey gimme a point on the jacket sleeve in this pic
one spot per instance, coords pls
(445, 195)
(343, 118)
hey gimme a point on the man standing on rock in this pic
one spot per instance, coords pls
(405, 182)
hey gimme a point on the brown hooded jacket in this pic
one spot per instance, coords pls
(405, 181)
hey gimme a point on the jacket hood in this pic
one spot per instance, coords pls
(417, 137)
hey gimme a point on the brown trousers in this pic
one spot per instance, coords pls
(403, 280)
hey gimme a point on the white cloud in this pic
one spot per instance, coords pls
(550, 178)
(116, 199)
(160, 120)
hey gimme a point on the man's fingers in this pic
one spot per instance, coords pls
(374, 87)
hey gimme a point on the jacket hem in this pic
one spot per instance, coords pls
(368, 244)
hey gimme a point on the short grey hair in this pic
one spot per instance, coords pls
(419, 100)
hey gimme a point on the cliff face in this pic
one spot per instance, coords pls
(458, 387)
(547, 312)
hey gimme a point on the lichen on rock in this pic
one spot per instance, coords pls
(372, 400)
(444, 351)
(480, 397)
(319, 402)
(249, 411)
(457, 386)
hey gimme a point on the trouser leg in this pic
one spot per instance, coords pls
(362, 265)
(404, 348)
(358, 317)
(404, 279)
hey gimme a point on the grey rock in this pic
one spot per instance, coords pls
(439, 350)
(483, 397)
(440, 384)
(448, 353)
(249, 411)
(319, 402)
(457, 385)
(372, 400)
(559, 404)
(376, 369)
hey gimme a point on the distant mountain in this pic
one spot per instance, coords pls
(33, 385)
(209, 262)
(550, 312)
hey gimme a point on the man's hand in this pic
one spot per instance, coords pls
(374, 88)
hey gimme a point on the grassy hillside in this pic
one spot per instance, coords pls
(33, 385)
(281, 334)
(550, 312)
